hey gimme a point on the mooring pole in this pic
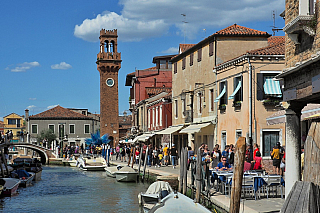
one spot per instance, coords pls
(181, 170)
(185, 171)
(198, 176)
(145, 163)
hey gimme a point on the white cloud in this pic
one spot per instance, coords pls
(61, 66)
(24, 66)
(142, 19)
(31, 107)
(32, 99)
(171, 50)
(52, 106)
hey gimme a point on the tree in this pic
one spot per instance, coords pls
(47, 135)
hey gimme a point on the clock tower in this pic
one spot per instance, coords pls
(108, 65)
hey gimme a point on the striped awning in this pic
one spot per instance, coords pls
(272, 87)
(221, 94)
(235, 91)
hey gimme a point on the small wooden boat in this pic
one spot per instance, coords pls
(91, 163)
(111, 171)
(177, 202)
(24, 177)
(126, 174)
(155, 193)
(30, 165)
(10, 186)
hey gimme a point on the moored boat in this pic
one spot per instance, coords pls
(30, 165)
(177, 202)
(10, 186)
(126, 174)
(24, 177)
(111, 171)
(91, 163)
(156, 191)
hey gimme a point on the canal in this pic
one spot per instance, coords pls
(68, 189)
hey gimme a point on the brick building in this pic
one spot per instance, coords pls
(301, 75)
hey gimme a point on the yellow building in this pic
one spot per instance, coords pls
(13, 122)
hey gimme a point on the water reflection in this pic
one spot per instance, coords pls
(65, 189)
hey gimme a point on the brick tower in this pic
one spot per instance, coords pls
(108, 64)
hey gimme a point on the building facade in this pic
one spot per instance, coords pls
(69, 126)
(194, 84)
(15, 123)
(300, 76)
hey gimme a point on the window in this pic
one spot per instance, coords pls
(34, 129)
(211, 100)
(269, 140)
(211, 48)
(83, 112)
(183, 105)
(200, 102)
(51, 127)
(87, 129)
(223, 95)
(160, 115)
(183, 63)
(238, 134)
(157, 116)
(153, 117)
(71, 129)
(191, 59)
(237, 90)
(223, 140)
(199, 54)
(175, 68)
(176, 108)
(149, 114)
(267, 88)
(12, 121)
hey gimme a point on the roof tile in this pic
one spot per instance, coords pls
(156, 90)
(60, 112)
(275, 49)
(239, 30)
(184, 47)
(276, 40)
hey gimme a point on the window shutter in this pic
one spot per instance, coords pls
(211, 48)
(260, 91)
(199, 54)
(241, 89)
(175, 68)
(226, 94)
(184, 63)
(191, 59)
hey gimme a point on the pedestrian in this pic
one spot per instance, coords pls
(256, 148)
(155, 157)
(137, 155)
(174, 154)
(190, 156)
(166, 155)
(258, 164)
(160, 158)
(206, 151)
(149, 157)
(223, 165)
(275, 154)
(225, 153)
(215, 156)
(128, 151)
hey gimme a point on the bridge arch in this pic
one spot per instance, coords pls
(40, 150)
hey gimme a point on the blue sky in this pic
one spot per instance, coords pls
(48, 49)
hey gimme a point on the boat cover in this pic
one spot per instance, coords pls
(127, 169)
(22, 173)
(159, 186)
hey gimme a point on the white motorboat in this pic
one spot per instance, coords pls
(91, 163)
(126, 174)
(111, 171)
(156, 191)
(10, 186)
(177, 202)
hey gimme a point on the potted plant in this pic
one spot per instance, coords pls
(237, 104)
(222, 106)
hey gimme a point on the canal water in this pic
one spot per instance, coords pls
(68, 189)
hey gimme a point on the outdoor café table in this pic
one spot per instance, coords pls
(260, 181)
(220, 176)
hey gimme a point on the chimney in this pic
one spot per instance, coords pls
(26, 114)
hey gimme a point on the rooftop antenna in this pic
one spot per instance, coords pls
(184, 26)
(205, 32)
(274, 28)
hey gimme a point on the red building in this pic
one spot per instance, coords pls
(146, 84)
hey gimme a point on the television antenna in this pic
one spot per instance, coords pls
(274, 28)
(184, 27)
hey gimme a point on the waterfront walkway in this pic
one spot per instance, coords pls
(247, 206)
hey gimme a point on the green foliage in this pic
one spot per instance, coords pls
(46, 134)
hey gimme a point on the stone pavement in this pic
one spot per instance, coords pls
(247, 206)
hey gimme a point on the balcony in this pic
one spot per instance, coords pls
(108, 56)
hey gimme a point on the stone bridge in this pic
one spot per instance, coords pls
(44, 153)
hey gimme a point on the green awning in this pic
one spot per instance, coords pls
(235, 91)
(272, 87)
(221, 94)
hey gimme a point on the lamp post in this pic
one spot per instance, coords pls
(61, 133)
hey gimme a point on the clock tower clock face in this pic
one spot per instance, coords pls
(110, 82)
